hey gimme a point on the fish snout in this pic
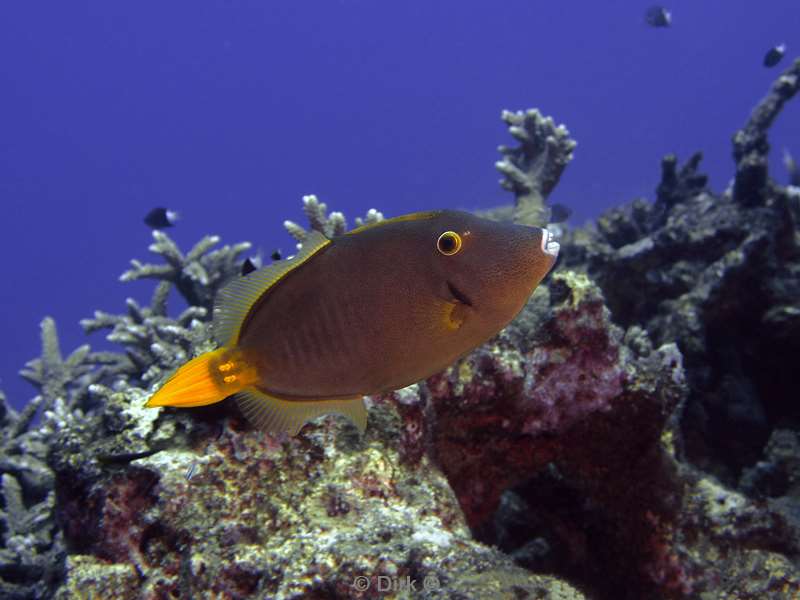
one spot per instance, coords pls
(549, 244)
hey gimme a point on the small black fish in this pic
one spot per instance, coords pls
(276, 255)
(250, 264)
(658, 16)
(774, 55)
(160, 217)
(559, 213)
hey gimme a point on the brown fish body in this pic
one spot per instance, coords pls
(374, 310)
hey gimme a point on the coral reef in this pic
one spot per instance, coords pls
(632, 434)
(532, 169)
(67, 380)
(750, 145)
(230, 512)
(719, 276)
(31, 548)
(568, 456)
(73, 391)
(154, 343)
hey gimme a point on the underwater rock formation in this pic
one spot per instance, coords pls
(230, 512)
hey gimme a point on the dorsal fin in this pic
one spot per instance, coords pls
(417, 216)
(234, 301)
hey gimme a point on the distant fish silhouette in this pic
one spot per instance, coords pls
(160, 217)
(251, 263)
(774, 55)
(658, 16)
(559, 213)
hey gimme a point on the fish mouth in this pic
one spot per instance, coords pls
(549, 244)
(458, 295)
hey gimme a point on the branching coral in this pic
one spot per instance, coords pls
(153, 342)
(198, 274)
(70, 378)
(330, 225)
(532, 169)
(31, 551)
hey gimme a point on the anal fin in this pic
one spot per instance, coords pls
(276, 415)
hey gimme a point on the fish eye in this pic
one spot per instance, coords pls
(449, 243)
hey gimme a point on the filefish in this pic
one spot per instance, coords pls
(373, 310)
(160, 217)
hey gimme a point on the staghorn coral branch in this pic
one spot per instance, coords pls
(331, 225)
(198, 275)
(154, 343)
(56, 377)
(532, 169)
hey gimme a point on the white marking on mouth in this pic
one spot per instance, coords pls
(549, 244)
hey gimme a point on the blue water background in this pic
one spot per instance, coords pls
(230, 111)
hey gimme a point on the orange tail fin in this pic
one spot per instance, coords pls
(209, 378)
